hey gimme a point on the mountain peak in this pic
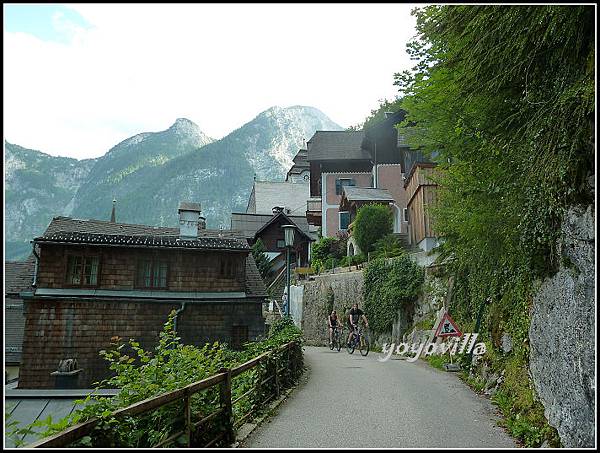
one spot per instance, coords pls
(184, 124)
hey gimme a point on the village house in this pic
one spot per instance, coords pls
(369, 159)
(268, 228)
(94, 280)
(17, 278)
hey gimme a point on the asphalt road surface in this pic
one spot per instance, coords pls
(354, 401)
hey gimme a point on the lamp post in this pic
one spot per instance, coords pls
(289, 243)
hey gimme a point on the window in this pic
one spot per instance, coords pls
(344, 220)
(280, 243)
(405, 214)
(83, 270)
(152, 273)
(341, 182)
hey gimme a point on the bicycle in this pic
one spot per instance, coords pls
(337, 339)
(360, 340)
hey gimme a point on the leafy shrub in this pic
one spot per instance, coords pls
(141, 374)
(372, 223)
(388, 246)
(389, 286)
(322, 249)
(262, 262)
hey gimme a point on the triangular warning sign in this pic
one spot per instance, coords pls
(447, 327)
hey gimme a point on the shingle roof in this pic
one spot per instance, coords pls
(249, 224)
(209, 243)
(337, 145)
(14, 328)
(367, 194)
(18, 277)
(255, 286)
(68, 230)
(267, 195)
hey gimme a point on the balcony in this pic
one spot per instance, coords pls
(313, 211)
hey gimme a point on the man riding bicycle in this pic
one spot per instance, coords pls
(353, 318)
(333, 323)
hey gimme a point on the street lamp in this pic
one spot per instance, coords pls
(289, 243)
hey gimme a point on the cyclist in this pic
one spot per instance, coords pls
(333, 323)
(353, 318)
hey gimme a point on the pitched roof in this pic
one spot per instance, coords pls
(248, 224)
(288, 220)
(366, 194)
(18, 275)
(255, 286)
(14, 329)
(290, 195)
(68, 230)
(336, 145)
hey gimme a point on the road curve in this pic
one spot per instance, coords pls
(354, 401)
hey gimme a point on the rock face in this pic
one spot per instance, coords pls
(562, 335)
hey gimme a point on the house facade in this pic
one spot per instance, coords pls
(96, 280)
(365, 159)
(17, 278)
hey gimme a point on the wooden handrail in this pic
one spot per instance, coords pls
(80, 430)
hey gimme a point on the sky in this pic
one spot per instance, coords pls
(78, 79)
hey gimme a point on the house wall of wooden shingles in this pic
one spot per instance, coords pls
(79, 329)
(189, 270)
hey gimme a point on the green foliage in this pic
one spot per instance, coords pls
(389, 286)
(372, 223)
(436, 361)
(262, 262)
(505, 98)
(141, 374)
(388, 246)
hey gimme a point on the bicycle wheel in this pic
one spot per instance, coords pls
(350, 347)
(364, 345)
(338, 342)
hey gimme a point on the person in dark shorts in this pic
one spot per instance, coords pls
(332, 322)
(354, 317)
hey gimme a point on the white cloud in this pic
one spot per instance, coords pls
(141, 66)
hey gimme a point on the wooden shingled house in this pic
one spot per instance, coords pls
(95, 280)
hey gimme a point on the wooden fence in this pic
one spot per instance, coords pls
(282, 374)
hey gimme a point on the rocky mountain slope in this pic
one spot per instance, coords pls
(150, 173)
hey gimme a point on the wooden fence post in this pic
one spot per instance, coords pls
(225, 397)
(188, 419)
(276, 375)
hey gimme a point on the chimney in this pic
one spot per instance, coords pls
(189, 219)
(112, 214)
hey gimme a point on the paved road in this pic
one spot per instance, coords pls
(355, 401)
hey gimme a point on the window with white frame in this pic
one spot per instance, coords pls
(344, 220)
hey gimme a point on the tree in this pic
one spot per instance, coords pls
(373, 222)
(262, 262)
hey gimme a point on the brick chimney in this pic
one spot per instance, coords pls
(189, 219)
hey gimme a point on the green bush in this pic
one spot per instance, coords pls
(372, 223)
(388, 246)
(322, 249)
(262, 262)
(390, 286)
(141, 374)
